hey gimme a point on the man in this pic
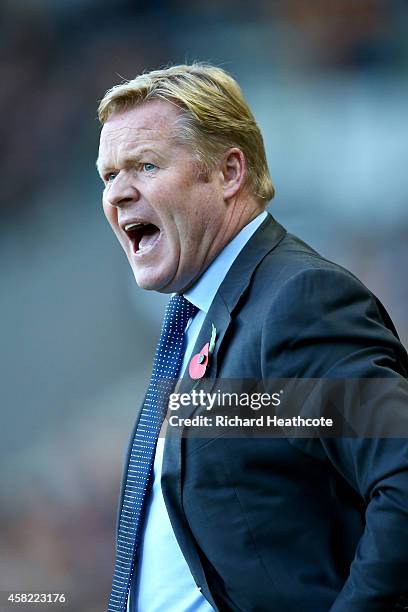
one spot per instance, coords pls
(247, 523)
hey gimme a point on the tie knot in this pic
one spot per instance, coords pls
(178, 312)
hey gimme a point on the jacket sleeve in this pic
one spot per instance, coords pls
(326, 324)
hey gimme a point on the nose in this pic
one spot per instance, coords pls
(122, 191)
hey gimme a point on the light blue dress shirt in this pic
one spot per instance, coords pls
(162, 580)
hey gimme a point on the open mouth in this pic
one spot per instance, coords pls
(143, 236)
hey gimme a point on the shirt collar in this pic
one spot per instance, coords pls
(202, 293)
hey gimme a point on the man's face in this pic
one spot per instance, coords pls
(167, 217)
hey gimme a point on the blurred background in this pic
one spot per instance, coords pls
(327, 81)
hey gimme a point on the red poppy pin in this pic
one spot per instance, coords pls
(199, 363)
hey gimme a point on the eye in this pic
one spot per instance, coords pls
(110, 176)
(147, 167)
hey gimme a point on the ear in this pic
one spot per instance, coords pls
(233, 171)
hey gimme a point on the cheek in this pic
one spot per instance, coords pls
(112, 216)
(110, 213)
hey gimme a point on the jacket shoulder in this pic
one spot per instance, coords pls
(318, 313)
(293, 258)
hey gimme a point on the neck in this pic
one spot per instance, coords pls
(241, 212)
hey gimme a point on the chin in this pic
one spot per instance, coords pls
(152, 283)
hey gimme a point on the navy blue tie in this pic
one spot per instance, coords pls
(166, 367)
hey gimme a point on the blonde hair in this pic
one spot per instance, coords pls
(214, 115)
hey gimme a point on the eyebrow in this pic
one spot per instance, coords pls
(131, 158)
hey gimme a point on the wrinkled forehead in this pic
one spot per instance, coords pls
(150, 120)
(116, 139)
(150, 125)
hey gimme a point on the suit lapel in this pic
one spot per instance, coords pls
(231, 290)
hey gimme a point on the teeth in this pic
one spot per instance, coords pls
(132, 226)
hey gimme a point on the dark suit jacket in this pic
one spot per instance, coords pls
(294, 524)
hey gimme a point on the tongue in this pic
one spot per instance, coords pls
(150, 236)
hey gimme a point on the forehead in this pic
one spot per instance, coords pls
(149, 122)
